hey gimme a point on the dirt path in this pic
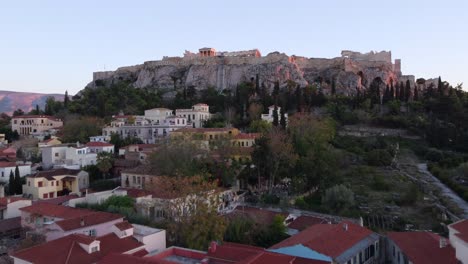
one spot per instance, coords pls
(445, 191)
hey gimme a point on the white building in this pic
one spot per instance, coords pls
(156, 123)
(99, 139)
(458, 236)
(97, 147)
(198, 114)
(9, 206)
(269, 117)
(7, 167)
(29, 124)
(72, 156)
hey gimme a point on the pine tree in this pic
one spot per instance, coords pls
(18, 187)
(11, 184)
(66, 100)
(282, 118)
(275, 116)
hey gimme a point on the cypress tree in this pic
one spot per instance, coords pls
(440, 85)
(11, 184)
(402, 92)
(18, 187)
(37, 110)
(392, 91)
(407, 91)
(416, 94)
(275, 116)
(282, 118)
(397, 91)
(386, 96)
(66, 100)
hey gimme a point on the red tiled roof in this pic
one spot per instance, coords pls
(123, 225)
(50, 173)
(194, 255)
(423, 247)
(59, 200)
(98, 144)
(131, 259)
(67, 250)
(331, 240)
(58, 211)
(245, 254)
(247, 136)
(302, 222)
(462, 228)
(94, 218)
(6, 164)
(258, 215)
(10, 224)
(140, 253)
(12, 199)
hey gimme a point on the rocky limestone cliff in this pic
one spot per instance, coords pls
(351, 72)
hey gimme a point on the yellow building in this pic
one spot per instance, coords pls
(54, 183)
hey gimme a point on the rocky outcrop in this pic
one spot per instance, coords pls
(351, 72)
(11, 101)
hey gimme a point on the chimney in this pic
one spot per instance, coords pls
(212, 248)
(361, 221)
(82, 223)
(442, 242)
(345, 227)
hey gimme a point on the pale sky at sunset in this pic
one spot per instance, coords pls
(53, 46)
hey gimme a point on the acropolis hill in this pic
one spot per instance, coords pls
(351, 72)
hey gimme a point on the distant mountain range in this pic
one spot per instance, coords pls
(10, 101)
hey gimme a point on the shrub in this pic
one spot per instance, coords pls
(378, 157)
(379, 183)
(338, 198)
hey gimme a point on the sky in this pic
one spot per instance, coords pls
(54, 46)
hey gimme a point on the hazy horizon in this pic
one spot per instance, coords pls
(53, 46)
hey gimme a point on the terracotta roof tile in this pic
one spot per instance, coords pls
(462, 228)
(4, 201)
(423, 247)
(123, 225)
(50, 173)
(67, 250)
(323, 238)
(98, 144)
(59, 200)
(91, 219)
(302, 222)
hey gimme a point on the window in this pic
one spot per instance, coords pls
(393, 251)
(29, 183)
(92, 232)
(56, 154)
(57, 183)
(52, 183)
(134, 179)
(39, 184)
(3, 174)
(45, 195)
